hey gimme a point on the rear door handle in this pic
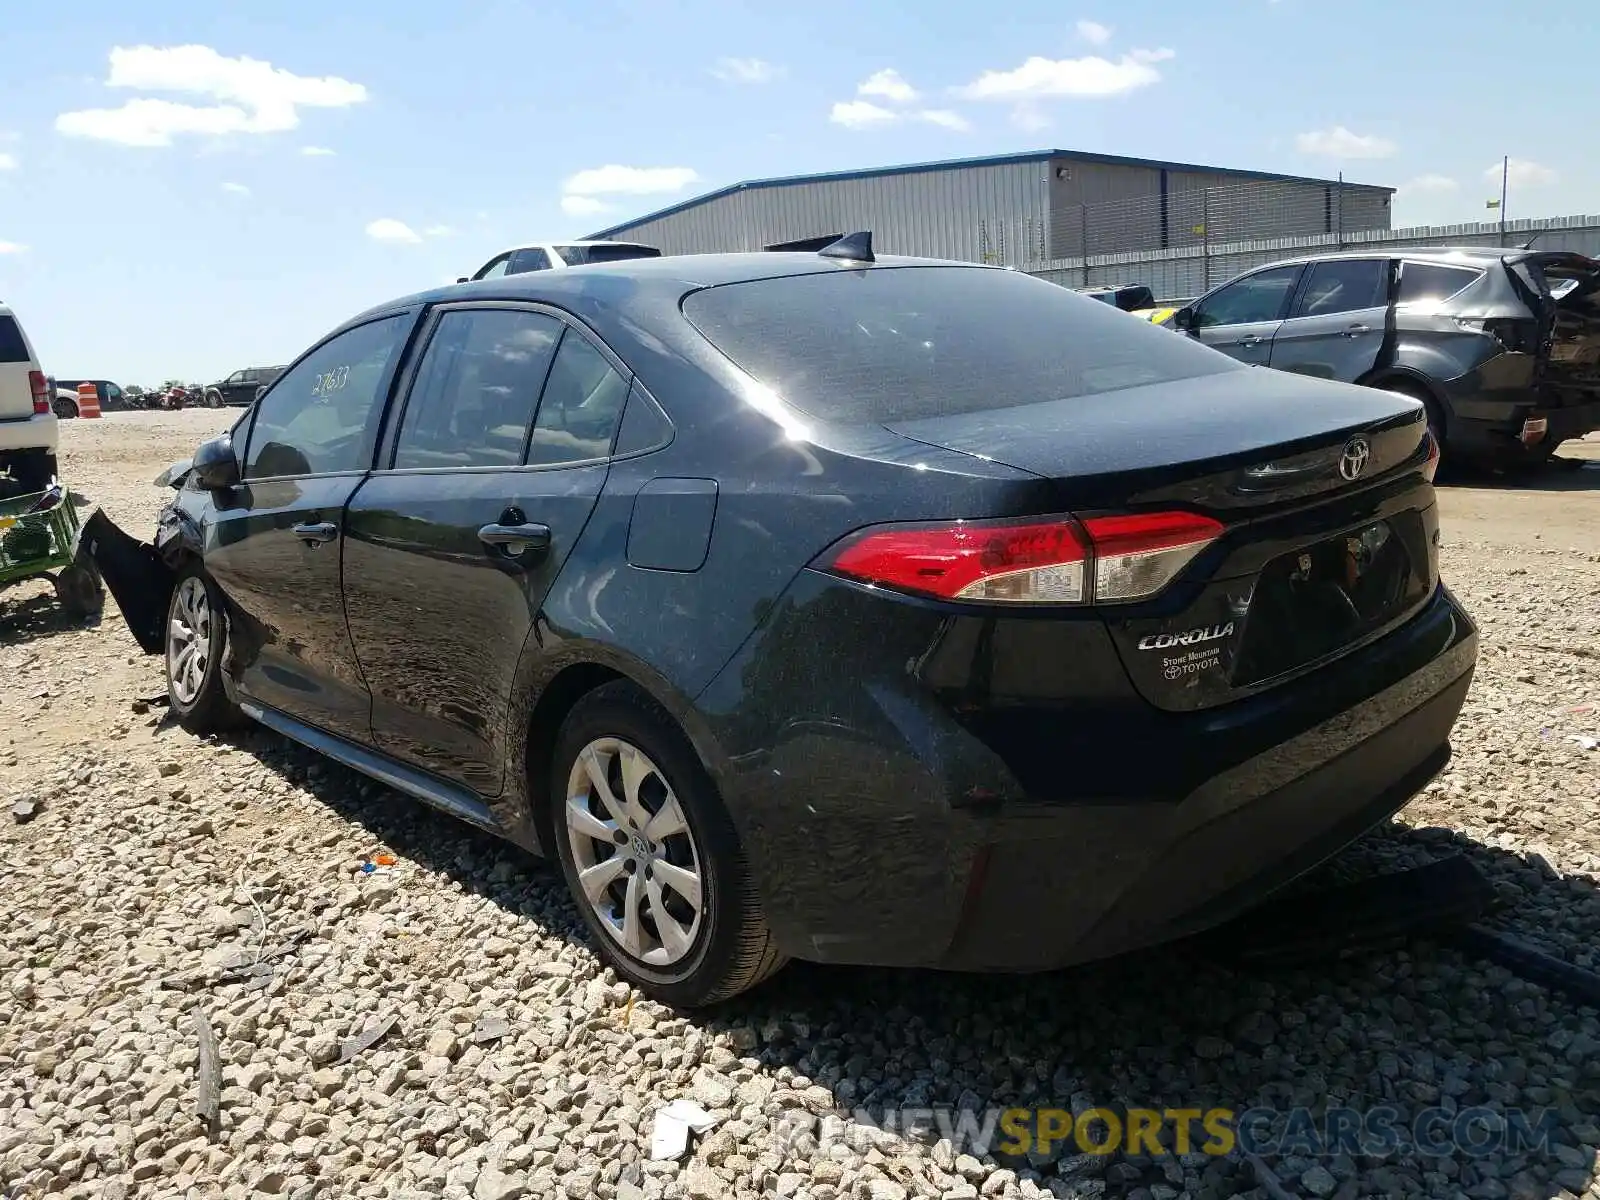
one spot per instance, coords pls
(1356, 330)
(316, 533)
(515, 539)
(1249, 339)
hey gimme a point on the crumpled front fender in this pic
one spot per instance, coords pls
(135, 574)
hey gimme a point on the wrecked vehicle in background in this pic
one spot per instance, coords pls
(1502, 346)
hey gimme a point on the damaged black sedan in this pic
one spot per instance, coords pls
(825, 606)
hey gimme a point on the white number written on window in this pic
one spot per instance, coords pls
(329, 382)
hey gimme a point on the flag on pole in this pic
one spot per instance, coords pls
(1491, 204)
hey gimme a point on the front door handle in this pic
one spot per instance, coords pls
(1355, 330)
(1249, 339)
(515, 539)
(316, 533)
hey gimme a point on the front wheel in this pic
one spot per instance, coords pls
(651, 856)
(213, 399)
(196, 640)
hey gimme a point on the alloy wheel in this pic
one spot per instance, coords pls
(638, 866)
(188, 639)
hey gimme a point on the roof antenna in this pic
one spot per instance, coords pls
(1528, 245)
(852, 247)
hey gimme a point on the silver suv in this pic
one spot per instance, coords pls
(1501, 345)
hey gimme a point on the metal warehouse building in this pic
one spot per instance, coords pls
(1023, 210)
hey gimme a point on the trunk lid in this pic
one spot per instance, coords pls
(1246, 439)
(1313, 563)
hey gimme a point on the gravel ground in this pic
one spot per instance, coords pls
(166, 877)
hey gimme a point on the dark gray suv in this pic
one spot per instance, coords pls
(1501, 345)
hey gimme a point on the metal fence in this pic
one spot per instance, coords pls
(1180, 272)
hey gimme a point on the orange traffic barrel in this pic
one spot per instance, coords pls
(88, 400)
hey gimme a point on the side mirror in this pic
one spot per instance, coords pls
(259, 389)
(1184, 319)
(462, 279)
(215, 465)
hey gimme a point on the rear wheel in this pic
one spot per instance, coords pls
(65, 409)
(34, 470)
(651, 856)
(1435, 414)
(196, 639)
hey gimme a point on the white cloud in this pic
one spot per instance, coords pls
(316, 152)
(583, 206)
(12, 247)
(238, 189)
(861, 114)
(387, 229)
(746, 70)
(887, 85)
(613, 180)
(1520, 172)
(945, 118)
(1041, 78)
(1339, 142)
(248, 95)
(1430, 185)
(8, 162)
(1094, 33)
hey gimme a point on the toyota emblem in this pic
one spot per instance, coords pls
(1355, 457)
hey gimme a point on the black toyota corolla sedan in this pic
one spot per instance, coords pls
(824, 606)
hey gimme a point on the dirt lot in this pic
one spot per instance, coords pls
(156, 860)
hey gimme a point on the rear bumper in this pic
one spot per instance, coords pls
(901, 831)
(37, 432)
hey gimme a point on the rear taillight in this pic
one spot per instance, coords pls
(1060, 560)
(1430, 467)
(40, 386)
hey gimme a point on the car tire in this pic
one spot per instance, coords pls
(197, 639)
(66, 410)
(213, 399)
(79, 590)
(33, 471)
(1435, 417)
(696, 934)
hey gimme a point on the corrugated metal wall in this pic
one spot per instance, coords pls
(1185, 272)
(996, 214)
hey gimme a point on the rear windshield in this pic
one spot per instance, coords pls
(901, 344)
(12, 348)
(577, 256)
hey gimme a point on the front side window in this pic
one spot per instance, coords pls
(315, 421)
(581, 407)
(476, 389)
(1258, 297)
(530, 259)
(1344, 286)
(236, 377)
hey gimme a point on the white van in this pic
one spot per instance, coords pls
(27, 418)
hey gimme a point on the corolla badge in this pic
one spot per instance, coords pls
(1357, 454)
(1191, 637)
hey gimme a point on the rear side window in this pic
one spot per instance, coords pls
(581, 408)
(577, 256)
(1344, 286)
(904, 343)
(1430, 283)
(476, 389)
(12, 348)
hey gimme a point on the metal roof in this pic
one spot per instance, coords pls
(955, 164)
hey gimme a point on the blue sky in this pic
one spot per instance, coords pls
(188, 187)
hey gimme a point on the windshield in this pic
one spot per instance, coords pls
(900, 344)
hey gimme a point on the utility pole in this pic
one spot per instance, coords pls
(1505, 176)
